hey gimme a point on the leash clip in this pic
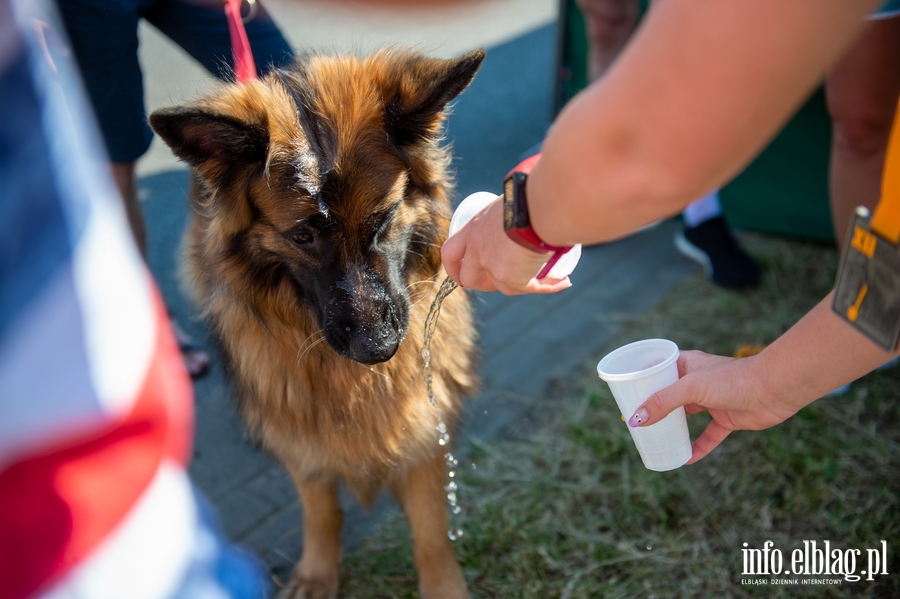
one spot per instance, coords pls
(251, 14)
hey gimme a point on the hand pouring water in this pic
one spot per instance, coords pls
(478, 201)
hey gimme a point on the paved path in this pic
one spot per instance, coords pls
(526, 342)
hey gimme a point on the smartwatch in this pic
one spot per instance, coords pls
(516, 221)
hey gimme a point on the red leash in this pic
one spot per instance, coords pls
(244, 65)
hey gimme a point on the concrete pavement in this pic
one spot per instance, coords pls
(526, 342)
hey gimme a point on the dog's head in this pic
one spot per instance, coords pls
(328, 179)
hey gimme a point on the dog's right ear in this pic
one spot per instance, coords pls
(213, 143)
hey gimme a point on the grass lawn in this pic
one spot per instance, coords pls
(564, 507)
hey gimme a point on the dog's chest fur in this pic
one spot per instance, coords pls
(354, 143)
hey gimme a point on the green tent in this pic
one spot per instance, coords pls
(784, 191)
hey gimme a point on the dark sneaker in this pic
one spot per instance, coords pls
(712, 245)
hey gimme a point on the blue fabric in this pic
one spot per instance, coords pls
(48, 160)
(103, 34)
(218, 568)
(34, 241)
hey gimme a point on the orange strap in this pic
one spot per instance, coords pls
(886, 219)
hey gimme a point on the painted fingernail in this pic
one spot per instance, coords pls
(639, 418)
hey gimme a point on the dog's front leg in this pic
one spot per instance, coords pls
(421, 492)
(316, 575)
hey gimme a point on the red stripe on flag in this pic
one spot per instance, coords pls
(56, 506)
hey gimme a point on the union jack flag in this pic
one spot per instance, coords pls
(95, 403)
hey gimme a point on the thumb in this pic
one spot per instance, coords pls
(661, 404)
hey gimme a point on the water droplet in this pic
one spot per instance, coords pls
(451, 474)
(456, 509)
(649, 547)
(347, 329)
(450, 460)
(426, 354)
(442, 427)
(442, 441)
(451, 487)
(451, 497)
(455, 533)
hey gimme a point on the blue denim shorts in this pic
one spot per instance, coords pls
(104, 38)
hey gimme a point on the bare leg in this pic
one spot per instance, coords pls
(196, 361)
(123, 174)
(316, 575)
(862, 91)
(425, 502)
(609, 25)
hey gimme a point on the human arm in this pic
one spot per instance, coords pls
(818, 354)
(697, 93)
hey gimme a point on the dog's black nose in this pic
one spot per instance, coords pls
(364, 323)
(368, 351)
(365, 342)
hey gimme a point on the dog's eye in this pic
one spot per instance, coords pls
(380, 222)
(301, 237)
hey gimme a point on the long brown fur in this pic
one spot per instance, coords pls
(338, 139)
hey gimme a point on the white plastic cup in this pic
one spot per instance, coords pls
(634, 372)
(478, 201)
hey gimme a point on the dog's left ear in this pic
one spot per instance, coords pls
(424, 88)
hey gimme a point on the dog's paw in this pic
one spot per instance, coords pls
(445, 582)
(301, 587)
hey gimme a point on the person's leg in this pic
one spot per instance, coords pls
(702, 210)
(104, 40)
(201, 29)
(707, 239)
(609, 25)
(861, 92)
(123, 175)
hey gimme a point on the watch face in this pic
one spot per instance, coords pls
(515, 210)
(509, 221)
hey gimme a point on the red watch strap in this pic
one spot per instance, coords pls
(551, 263)
(525, 166)
(527, 237)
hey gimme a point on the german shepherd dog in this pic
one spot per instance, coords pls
(320, 201)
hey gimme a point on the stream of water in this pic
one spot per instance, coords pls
(451, 488)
